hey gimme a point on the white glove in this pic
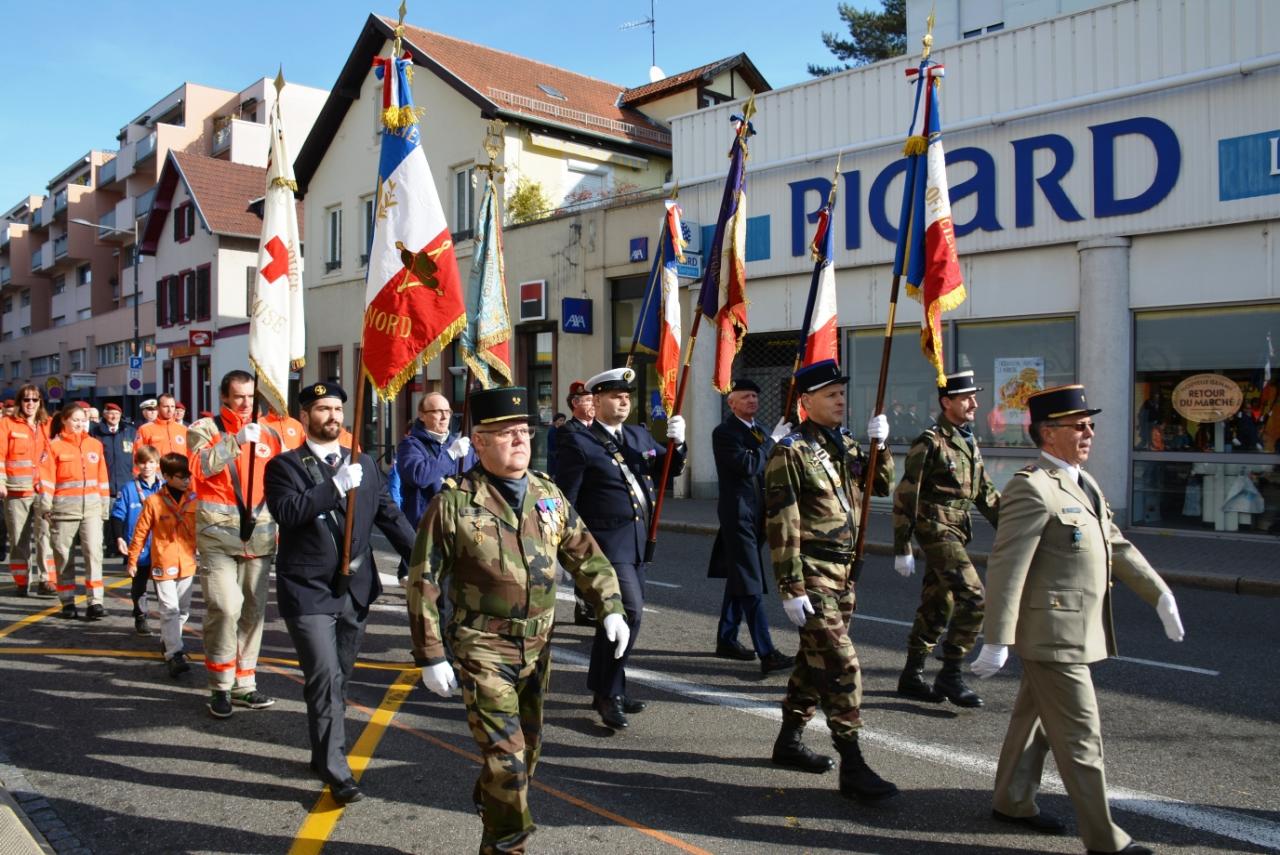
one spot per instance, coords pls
(905, 565)
(798, 609)
(617, 631)
(348, 477)
(440, 679)
(878, 428)
(458, 448)
(675, 429)
(251, 432)
(991, 658)
(1167, 608)
(781, 429)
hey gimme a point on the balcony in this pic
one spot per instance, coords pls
(145, 147)
(4, 237)
(42, 216)
(144, 202)
(60, 201)
(38, 257)
(5, 276)
(221, 137)
(59, 247)
(125, 217)
(107, 173)
(106, 221)
(124, 161)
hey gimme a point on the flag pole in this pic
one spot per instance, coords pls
(652, 286)
(813, 296)
(873, 455)
(466, 405)
(678, 405)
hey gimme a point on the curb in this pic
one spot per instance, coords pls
(1243, 585)
(33, 841)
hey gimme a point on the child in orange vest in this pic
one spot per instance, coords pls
(169, 518)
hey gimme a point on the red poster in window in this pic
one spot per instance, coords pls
(200, 338)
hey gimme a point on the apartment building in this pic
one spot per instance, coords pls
(76, 308)
(586, 143)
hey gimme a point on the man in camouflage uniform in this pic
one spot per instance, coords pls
(813, 501)
(944, 477)
(499, 534)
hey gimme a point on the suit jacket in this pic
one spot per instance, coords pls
(740, 461)
(594, 485)
(309, 554)
(117, 448)
(1051, 570)
(424, 463)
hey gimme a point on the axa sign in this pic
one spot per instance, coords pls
(1040, 165)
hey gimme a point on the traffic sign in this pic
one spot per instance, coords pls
(133, 383)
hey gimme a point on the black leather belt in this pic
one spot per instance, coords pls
(826, 553)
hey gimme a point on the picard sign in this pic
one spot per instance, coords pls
(1207, 398)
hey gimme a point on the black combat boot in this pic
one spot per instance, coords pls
(950, 685)
(857, 781)
(912, 683)
(789, 750)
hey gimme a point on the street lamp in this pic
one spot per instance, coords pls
(137, 340)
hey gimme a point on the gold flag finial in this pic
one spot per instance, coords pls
(675, 191)
(395, 45)
(749, 109)
(927, 40)
(279, 81)
(835, 179)
(494, 143)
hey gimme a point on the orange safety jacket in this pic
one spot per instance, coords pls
(172, 526)
(291, 431)
(21, 448)
(169, 436)
(74, 483)
(214, 457)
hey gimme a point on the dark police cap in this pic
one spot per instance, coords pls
(813, 377)
(313, 392)
(1059, 403)
(500, 404)
(960, 383)
(742, 384)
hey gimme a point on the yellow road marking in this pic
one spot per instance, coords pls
(51, 611)
(151, 654)
(325, 814)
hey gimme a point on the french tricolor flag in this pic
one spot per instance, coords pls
(414, 304)
(820, 311)
(926, 252)
(667, 363)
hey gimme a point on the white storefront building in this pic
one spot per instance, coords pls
(1115, 179)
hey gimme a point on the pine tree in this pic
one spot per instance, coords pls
(873, 36)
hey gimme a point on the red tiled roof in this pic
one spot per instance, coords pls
(511, 83)
(223, 192)
(685, 79)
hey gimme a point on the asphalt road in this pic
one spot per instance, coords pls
(130, 761)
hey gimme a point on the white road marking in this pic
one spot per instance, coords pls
(567, 597)
(389, 581)
(1224, 823)
(662, 584)
(857, 616)
(1156, 664)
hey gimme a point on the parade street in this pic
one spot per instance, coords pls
(129, 761)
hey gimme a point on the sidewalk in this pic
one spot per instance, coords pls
(1189, 561)
(18, 835)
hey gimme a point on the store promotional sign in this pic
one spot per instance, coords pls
(1207, 398)
(1249, 166)
(1017, 379)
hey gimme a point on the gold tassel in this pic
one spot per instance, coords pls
(915, 145)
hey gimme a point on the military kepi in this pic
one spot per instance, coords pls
(499, 404)
(313, 392)
(960, 383)
(742, 384)
(813, 377)
(613, 380)
(1059, 403)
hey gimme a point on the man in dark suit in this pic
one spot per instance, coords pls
(607, 472)
(741, 450)
(582, 412)
(324, 605)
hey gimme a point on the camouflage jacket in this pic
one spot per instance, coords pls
(811, 531)
(942, 479)
(501, 566)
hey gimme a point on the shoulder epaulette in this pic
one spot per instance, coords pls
(448, 484)
(1026, 471)
(791, 438)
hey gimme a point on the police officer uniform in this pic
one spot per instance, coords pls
(943, 478)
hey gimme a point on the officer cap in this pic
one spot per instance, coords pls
(112, 408)
(960, 383)
(1058, 403)
(742, 384)
(576, 389)
(313, 392)
(149, 404)
(813, 377)
(615, 379)
(499, 404)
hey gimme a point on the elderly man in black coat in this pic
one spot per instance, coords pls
(324, 605)
(741, 448)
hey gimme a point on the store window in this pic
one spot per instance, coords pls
(1206, 419)
(646, 408)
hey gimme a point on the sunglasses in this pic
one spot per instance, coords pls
(30, 400)
(1079, 427)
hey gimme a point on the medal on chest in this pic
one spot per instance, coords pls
(549, 519)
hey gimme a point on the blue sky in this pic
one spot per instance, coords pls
(78, 71)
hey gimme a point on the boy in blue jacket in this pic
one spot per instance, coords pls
(124, 518)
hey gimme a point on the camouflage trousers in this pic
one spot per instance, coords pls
(827, 671)
(951, 601)
(503, 683)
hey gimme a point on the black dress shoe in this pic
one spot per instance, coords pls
(776, 660)
(346, 792)
(1041, 822)
(631, 705)
(1131, 849)
(734, 650)
(611, 712)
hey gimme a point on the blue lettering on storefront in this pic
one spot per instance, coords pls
(1249, 166)
(808, 195)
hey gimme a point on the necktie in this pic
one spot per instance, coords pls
(332, 460)
(1092, 494)
(757, 433)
